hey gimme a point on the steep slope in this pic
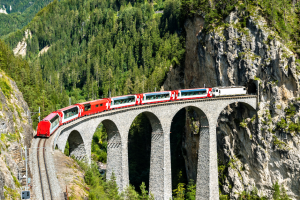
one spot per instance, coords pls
(37, 92)
(15, 134)
(18, 14)
(253, 151)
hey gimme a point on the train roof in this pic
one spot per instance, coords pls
(229, 87)
(49, 117)
(120, 97)
(66, 108)
(94, 102)
(161, 92)
(193, 89)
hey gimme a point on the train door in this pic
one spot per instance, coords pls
(138, 99)
(173, 95)
(216, 92)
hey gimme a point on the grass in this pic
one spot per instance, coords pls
(10, 193)
(5, 87)
(243, 124)
(280, 144)
(19, 111)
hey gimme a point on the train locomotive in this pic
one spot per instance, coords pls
(50, 123)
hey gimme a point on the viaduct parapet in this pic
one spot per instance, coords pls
(117, 123)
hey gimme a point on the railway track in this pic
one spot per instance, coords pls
(43, 171)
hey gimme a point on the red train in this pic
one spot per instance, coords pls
(49, 124)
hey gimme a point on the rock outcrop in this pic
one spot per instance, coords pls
(22, 45)
(253, 151)
(15, 134)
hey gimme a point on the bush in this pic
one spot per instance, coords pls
(282, 124)
(279, 194)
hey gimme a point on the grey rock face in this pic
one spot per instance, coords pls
(257, 152)
(15, 133)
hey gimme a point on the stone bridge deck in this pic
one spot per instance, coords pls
(117, 123)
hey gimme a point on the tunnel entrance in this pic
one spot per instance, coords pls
(251, 88)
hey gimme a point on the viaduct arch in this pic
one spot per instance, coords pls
(118, 122)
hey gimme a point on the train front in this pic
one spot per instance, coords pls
(48, 125)
(43, 129)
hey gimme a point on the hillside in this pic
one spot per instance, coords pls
(19, 14)
(96, 48)
(36, 92)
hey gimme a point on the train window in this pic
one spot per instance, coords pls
(70, 113)
(87, 107)
(54, 121)
(157, 96)
(217, 90)
(101, 104)
(193, 92)
(244, 88)
(213, 90)
(129, 99)
(97, 106)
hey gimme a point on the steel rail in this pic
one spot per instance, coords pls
(38, 158)
(47, 169)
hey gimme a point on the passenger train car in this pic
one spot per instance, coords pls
(49, 124)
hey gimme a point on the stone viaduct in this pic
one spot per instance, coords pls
(117, 123)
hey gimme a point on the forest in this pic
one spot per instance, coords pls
(98, 48)
(20, 13)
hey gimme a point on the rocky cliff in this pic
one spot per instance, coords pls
(253, 151)
(15, 133)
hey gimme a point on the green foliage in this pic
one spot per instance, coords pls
(256, 78)
(98, 50)
(171, 19)
(223, 197)
(5, 85)
(294, 127)
(282, 124)
(10, 193)
(21, 14)
(281, 16)
(36, 91)
(177, 151)
(17, 183)
(139, 149)
(99, 144)
(178, 193)
(93, 49)
(144, 193)
(279, 194)
(243, 124)
(67, 149)
(19, 111)
(253, 195)
(191, 191)
(290, 111)
(184, 191)
(253, 118)
(280, 144)
(107, 190)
